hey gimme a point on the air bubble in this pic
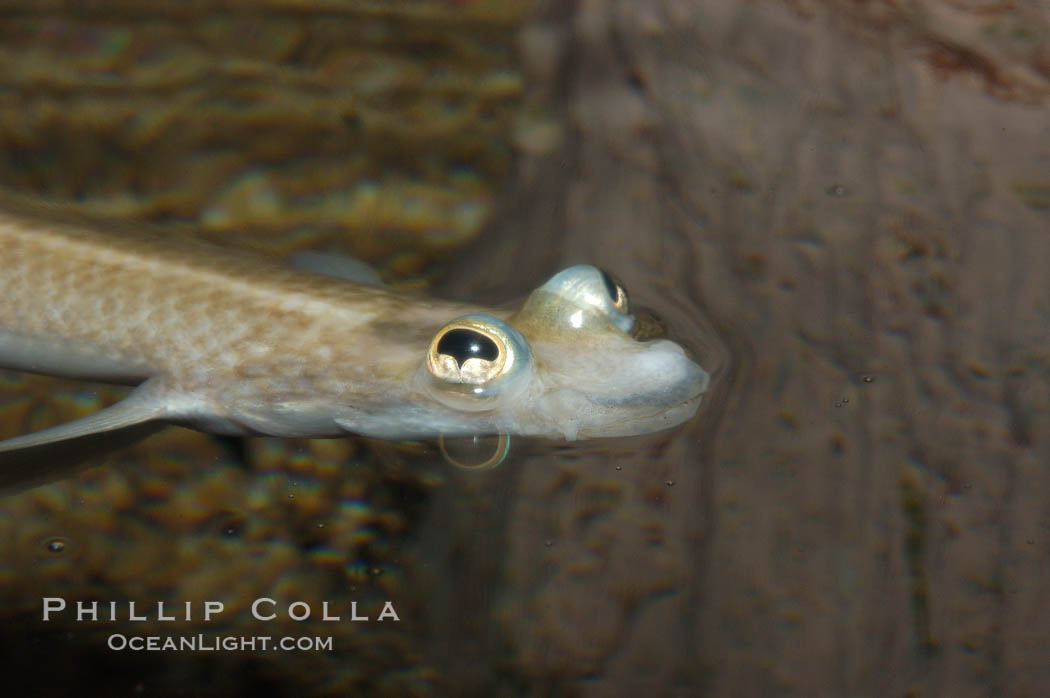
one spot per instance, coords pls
(55, 545)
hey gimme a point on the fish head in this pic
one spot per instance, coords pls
(565, 365)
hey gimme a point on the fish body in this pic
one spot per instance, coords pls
(232, 344)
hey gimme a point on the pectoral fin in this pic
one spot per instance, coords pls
(142, 405)
(52, 453)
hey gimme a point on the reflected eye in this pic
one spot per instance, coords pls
(475, 358)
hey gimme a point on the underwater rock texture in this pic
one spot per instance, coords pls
(857, 196)
(377, 128)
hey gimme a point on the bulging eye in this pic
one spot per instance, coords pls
(468, 355)
(617, 293)
(462, 344)
(582, 296)
(476, 358)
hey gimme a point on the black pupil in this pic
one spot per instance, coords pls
(463, 344)
(610, 285)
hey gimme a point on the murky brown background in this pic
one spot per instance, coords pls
(844, 209)
(856, 195)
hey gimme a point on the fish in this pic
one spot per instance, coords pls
(238, 344)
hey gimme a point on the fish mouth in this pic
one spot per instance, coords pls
(647, 423)
(651, 411)
(690, 387)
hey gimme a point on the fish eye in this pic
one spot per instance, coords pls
(582, 296)
(474, 358)
(617, 293)
(463, 344)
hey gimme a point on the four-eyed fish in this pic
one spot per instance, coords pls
(231, 345)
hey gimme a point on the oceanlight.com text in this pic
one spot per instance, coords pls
(216, 643)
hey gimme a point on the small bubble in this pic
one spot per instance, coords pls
(56, 545)
(836, 190)
(548, 543)
(669, 483)
(291, 495)
(376, 571)
(321, 525)
(869, 379)
(231, 525)
(838, 404)
(619, 467)
(845, 401)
